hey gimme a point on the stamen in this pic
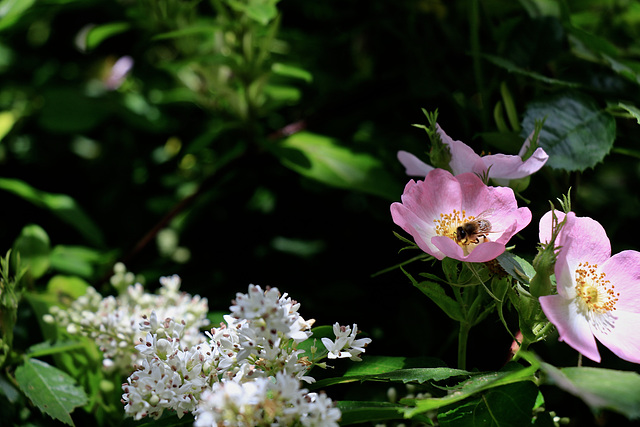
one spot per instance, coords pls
(449, 223)
(597, 296)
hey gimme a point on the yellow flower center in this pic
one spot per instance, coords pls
(596, 292)
(450, 225)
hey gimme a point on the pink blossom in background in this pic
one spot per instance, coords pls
(501, 167)
(598, 294)
(433, 209)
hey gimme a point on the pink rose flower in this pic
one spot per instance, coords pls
(598, 294)
(459, 216)
(500, 167)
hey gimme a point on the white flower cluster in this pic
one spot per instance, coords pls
(265, 402)
(247, 373)
(113, 322)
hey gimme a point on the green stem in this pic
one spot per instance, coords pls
(463, 336)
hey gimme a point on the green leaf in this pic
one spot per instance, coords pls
(513, 68)
(517, 267)
(319, 332)
(50, 389)
(576, 134)
(510, 405)
(33, 247)
(69, 287)
(437, 294)
(354, 412)
(321, 158)
(12, 10)
(61, 205)
(76, 260)
(512, 373)
(208, 29)
(631, 109)
(600, 388)
(7, 120)
(288, 70)
(99, 33)
(70, 110)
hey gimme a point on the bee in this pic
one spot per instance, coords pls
(474, 231)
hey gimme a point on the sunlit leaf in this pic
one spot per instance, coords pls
(99, 33)
(53, 391)
(61, 205)
(576, 134)
(600, 388)
(12, 10)
(70, 287)
(508, 405)
(321, 158)
(517, 267)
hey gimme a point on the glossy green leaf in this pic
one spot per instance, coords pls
(517, 267)
(600, 388)
(481, 382)
(99, 33)
(631, 109)
(354, 412)
(53, 391)
(577, 134)
(61, 205)
(33, 247)
(510, 405)
(322, 158)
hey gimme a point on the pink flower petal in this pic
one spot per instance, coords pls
(624, 338)
(573, 327)
(623, 272)
(482, 253)
(546, 225)
(413, 165)
(503, 166)
(421, 230)
(463, 158)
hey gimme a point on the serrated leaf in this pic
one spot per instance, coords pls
(322, 158)
(631, 109)
(576, 135)
(61, 205)
(53, 391)
(512, 373)
(600, 388)
(510, 405)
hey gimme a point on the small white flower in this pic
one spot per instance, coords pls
(345, 344)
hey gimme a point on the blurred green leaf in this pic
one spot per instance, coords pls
(7, 120)
(508, 405)
(600, 388)
(34, 247)
(70, 287)
(576, 134)
(321, 158)
(12, 10)
(54, 392)
(77, 260)
(99, 33)
(288, 70)
(69, 110)
(208, 29)
(61, 205)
